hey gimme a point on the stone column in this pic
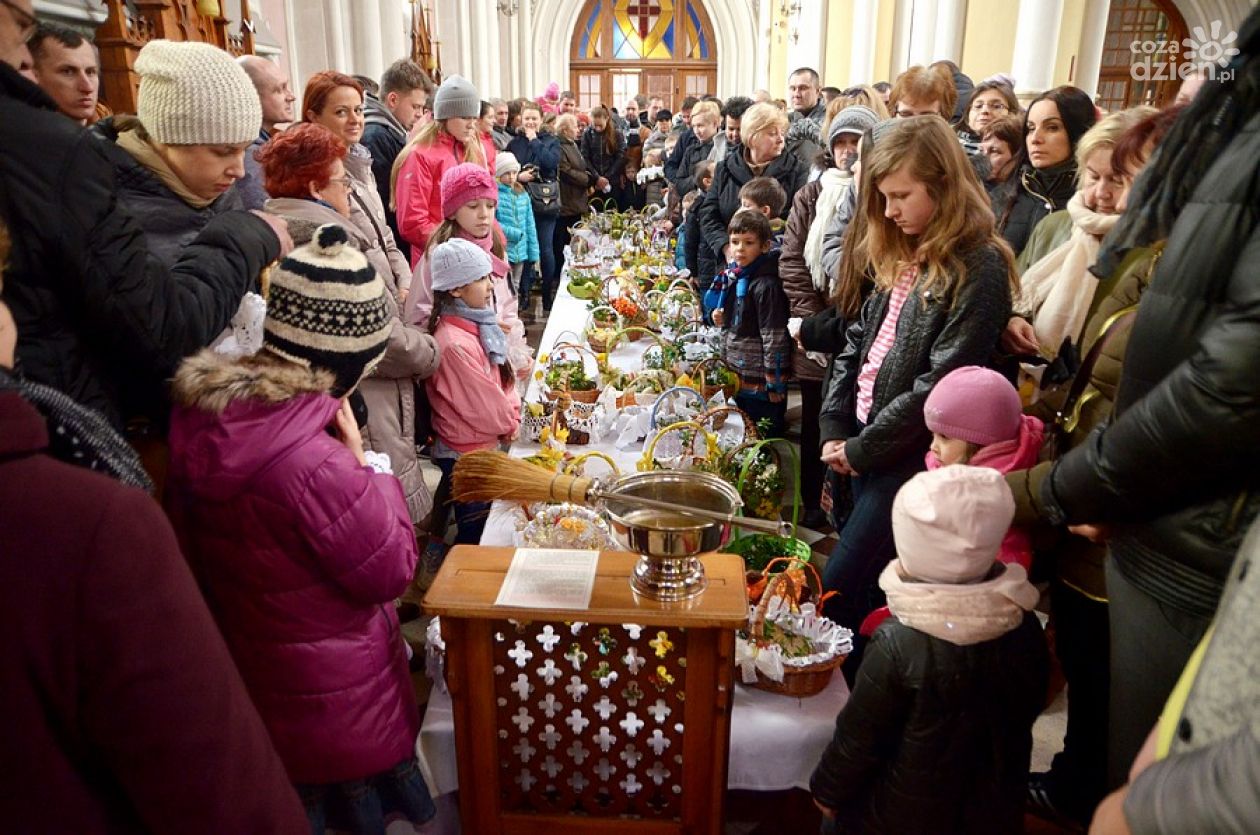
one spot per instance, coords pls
(395, 31)
(1036, 45)
(335, 34)
(365, 23)
(862, 48)
(1089, 56)
(951, 23)
(902, 18)
(923, 15)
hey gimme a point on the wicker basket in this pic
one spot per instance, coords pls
(560, 348)
(689, 462)
(801, 680)
(705, 367)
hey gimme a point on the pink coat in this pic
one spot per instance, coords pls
(301, 553)
(471, 407)
(419, 190)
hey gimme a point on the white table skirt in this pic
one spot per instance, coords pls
(775, 740)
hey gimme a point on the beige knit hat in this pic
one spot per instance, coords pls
(195, 94)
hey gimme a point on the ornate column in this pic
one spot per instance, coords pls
(1089, 56)
(1036, 45)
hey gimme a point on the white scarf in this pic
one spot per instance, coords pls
(961, 614)
(1059, 289)
(835, 184)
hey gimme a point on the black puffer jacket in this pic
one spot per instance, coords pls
(169, 223)
(722, 200)
(94, 307)
(1178, 469)
(934, 336)
(685, 177)
(601, 162)
(1029, 195)
(936, 737)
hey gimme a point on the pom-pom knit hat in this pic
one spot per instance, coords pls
(463, 184)
(327, 309)
(457, 263)
(948, 524)
(195, 94)
(974, 404)
(457, 98)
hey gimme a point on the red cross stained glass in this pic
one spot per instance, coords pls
(645, 12)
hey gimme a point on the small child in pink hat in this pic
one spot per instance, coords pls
(976, 419)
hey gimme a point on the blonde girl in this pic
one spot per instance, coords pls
(448, 140)
(943, 281)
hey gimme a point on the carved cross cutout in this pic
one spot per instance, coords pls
(520, 654)
(577, 721)
(604, 739)
(659, 742)
(631, 724)
(550, 738)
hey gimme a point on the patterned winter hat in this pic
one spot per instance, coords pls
(195, 94)
(464, 183)
(327, 309)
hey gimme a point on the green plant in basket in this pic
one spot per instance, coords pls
(568, 374)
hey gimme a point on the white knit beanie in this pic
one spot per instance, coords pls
(457, 98)
(195, 94)
(948, 524)
(505, 163)
(457, 263)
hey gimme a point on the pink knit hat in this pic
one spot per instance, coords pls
(948, 524)
(973, 404)
(464, 183)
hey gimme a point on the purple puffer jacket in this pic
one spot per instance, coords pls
(301, 553)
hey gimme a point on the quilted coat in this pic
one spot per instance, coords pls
(301, 552)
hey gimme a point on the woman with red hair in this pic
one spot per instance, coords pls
(335, 101)
(305, 172)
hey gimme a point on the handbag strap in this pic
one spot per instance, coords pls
(1105, 334)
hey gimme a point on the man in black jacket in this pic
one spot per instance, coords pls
(405, 91)
(1173, 479)
(95, 310)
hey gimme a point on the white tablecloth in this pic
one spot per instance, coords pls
(775, 740)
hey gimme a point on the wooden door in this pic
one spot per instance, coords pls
(698, 83)
(660, 83)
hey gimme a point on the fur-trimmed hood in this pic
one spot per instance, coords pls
(236, 419)
(211, 382)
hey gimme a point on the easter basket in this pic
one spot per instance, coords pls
(566, 371)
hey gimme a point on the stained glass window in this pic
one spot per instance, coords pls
(643, 30)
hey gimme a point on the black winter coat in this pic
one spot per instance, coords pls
(673, 165)
(722, 200)
(543, 151)
(936, 737)
(685, 174)
(169, 223)
(935, 335)
(93, 305)
(1178, 468)
(1027, 196)
(600, 161)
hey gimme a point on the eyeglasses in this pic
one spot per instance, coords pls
(995, 106)
(344, 182)
(26, 21)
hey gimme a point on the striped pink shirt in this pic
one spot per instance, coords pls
(883, 343)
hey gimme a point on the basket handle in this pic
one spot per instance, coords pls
(755, 447)
(758, 621)
(811, 571)
(572, 468)
(649, 454)
(681, 389)
(751, 435)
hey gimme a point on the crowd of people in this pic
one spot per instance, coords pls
(234, 324)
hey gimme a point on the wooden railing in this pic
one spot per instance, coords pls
(122, 35)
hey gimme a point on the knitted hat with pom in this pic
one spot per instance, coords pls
(948, 524)
(457, 263)
(195, 94)
(974, 404)
(457, 98)
(464, 183)
(327, 309)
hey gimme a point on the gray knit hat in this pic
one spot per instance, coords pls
(856, 118)
(457, 98)
(327, 309)
(457, 263)
(195, 94)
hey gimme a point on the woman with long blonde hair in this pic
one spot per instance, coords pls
(943, 281)
(450, 138)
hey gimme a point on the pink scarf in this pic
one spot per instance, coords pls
(498, 267)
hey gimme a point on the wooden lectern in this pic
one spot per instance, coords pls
(613, 719)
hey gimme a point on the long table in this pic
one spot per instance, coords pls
(775, 740)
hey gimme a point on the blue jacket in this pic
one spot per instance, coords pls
(515, 214)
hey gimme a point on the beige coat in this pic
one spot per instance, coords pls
(410, 355)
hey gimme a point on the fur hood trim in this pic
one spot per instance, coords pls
(212, 382)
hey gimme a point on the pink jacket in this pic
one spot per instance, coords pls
(419, 190)
(300, 552)
(487, 148)
(1007, 456)
(471, 408)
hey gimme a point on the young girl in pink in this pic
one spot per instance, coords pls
(473, 394)
(469, 199)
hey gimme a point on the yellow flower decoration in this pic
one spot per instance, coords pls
(662, 644)
(663, 675)
(544, 358)
(602, 359)
(545, 435)
(562, 435)
(538, 375)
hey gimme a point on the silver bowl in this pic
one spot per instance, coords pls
(668, 544)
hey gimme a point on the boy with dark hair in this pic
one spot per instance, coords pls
(766, 196)
(752, 309)
(403, 100)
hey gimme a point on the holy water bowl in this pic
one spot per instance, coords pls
(669, 542)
